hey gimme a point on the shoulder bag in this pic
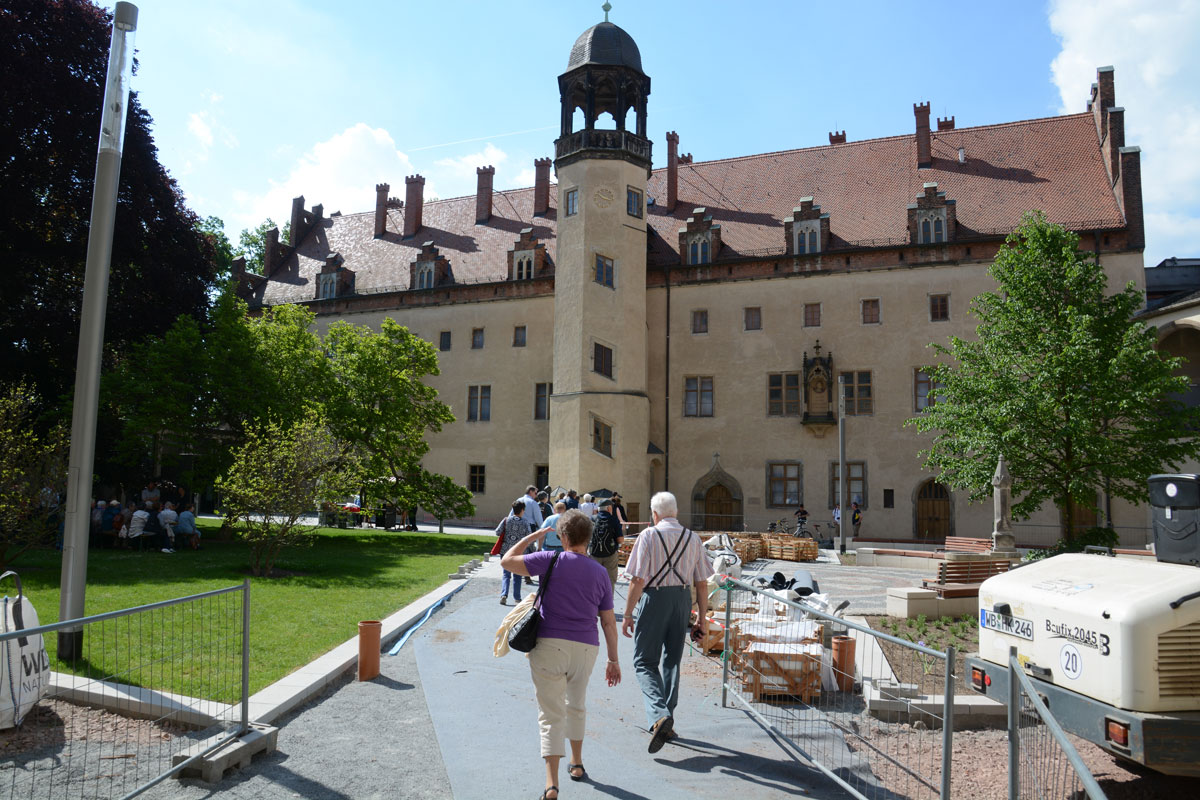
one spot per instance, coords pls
(524, 632)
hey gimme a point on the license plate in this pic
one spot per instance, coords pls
(1002, 623)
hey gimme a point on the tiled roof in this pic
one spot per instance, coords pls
(1052, 164)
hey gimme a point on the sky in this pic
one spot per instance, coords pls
(255, 103)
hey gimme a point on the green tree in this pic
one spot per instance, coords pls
(280, 473)
(440, 496)
(33, 475)
(1061, 380)
(252, 243)
(377, 399)
(162, 265)
(213, 231)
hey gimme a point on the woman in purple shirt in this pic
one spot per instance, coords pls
(577, 593)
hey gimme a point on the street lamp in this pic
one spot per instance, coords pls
(91, 327)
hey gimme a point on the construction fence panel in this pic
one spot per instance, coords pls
(871, 711)
(153, 690)
(1043, 764)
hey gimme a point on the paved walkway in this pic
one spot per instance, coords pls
(446, 719)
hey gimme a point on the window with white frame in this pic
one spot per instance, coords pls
(425, 275)
(807, 235)
(931, 226)
(571, 202)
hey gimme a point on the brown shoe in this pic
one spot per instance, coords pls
(660, 732)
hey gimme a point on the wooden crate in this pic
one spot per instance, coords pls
(781, 671)
(792, 549)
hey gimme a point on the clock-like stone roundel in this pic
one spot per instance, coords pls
(603, 197)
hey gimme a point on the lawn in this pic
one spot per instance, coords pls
(326, 589)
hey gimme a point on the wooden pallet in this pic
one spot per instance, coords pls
(781, 671)
(792, 550)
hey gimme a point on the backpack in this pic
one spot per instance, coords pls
(604, 535)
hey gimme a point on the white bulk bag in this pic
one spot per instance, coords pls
(24, 666)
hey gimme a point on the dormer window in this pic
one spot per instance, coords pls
(523, 265)
(700, 239)
(425, 275)
(698, 249)
(932, 225)
(933, 218)
(327, 286)
(808, 239)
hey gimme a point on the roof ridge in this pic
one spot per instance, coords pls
(858, 142)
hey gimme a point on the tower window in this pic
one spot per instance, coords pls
(604, 271)
(571, 201)
(602, 360)
(541, 401)
(601, 437)
(633, 202)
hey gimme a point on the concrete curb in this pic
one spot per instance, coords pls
(294, 690)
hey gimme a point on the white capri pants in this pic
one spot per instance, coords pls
(561, 669)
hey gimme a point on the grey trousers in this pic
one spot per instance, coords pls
(658, 639)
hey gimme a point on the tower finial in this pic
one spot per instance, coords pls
(607, 8)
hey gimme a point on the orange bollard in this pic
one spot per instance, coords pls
(843, 662)
(368, 649)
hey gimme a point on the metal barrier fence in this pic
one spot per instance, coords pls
(155, 689)
(1042, 762)
(871, 711)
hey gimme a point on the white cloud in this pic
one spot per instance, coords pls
(457, 175)
(1152, 47)
(339, 173)
(200, 128)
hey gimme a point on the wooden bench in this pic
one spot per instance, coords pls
(963, 544)
(963, 578)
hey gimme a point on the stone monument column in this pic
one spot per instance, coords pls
(1003, 541)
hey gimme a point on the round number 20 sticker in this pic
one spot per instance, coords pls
(1071, 663)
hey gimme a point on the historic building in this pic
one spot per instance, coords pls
(621, 327)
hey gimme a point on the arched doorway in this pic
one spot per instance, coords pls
(934, 516)
(721, 511)
(717, 501)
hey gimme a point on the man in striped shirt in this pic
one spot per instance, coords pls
(667, 560)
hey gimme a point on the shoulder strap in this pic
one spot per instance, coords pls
(669, 563)
(544, 583)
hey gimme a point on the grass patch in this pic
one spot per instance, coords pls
(325, 590)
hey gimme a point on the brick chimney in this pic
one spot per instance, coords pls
(924, 147)
(1129, 195)
(414, 202)
(541, 186)
(1105, 98)
(381, 206)
(297, 224)
(945, 123)
(837, 137)
(672, 170)
(483, 193)
(271, 250)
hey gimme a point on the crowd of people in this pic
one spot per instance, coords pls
(163, 516)
(668, 572)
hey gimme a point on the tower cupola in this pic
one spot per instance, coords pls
(604, 75)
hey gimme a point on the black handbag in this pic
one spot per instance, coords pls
(524, 632)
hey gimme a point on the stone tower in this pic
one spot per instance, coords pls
(599, 420)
